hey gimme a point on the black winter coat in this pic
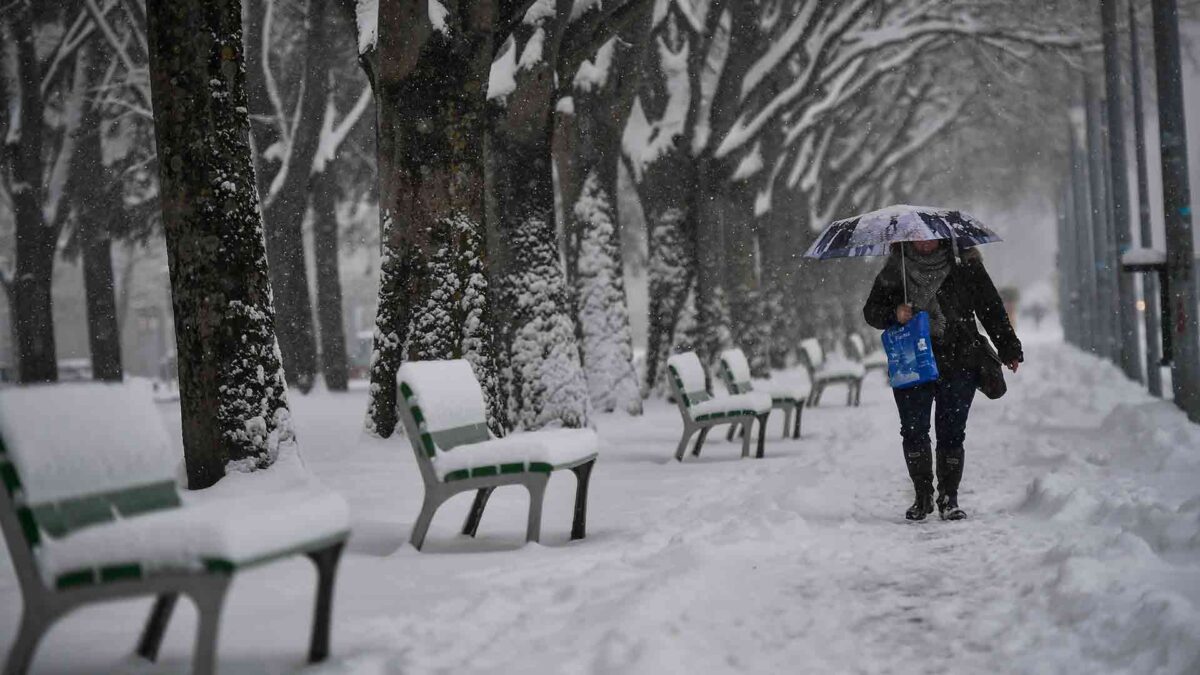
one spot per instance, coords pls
(967, 292)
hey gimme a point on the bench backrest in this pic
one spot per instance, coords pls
(813, 353)
(444, 406)
(74, 455)
(688, 378)
(735, 371)
(857, 346)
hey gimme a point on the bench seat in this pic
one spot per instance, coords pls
(752, 403)
(216, 535)
(543, 452)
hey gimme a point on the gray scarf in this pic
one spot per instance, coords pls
(925, 276)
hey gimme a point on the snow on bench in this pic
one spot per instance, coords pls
(825, 371)
(91, 503)
(876, 360)
(787, 395)
(444, 414)
(701, 410)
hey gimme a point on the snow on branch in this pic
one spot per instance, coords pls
(333, 135)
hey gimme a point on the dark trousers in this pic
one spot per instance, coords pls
(953, 393)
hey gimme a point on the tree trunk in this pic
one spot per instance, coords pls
(233, 394)
(592, 226)
(546, 376)
(285, 203)
(430, 88)
(98, 211)
(33, 320)
(712, 302)
(104, 338)
(334, 363)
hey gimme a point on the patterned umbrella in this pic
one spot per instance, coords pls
(872, 233)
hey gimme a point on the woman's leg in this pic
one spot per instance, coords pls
(914, 405)
(955, 392)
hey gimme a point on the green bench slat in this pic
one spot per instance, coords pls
(107, 574)
(464, 435)
(9, 477)
(63, 517)
(124, 571)
(502, 469)
(146, 498)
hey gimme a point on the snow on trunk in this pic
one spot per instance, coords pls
(547, 386)
(477, 336)
(602, 307)
(671, 273)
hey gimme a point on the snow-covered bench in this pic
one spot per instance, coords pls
(786, 395)
(824, 371)
(701, 410)
(444, 415)
(90, 511)
(875, 360)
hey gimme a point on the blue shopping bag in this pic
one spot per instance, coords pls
(910, 353)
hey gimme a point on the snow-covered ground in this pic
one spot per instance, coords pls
(1082, 553)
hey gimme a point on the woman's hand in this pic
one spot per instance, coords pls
(904, 314)
(1013, 365)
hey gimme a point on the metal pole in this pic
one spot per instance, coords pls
(1065, 268)
(1098, 210)
(1112, 259)
(1086, 300)
(1177, 210)
(1146, 232)
(1119, 190)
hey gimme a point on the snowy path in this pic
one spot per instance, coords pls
(1082, 554)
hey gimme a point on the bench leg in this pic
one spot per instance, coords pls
(326, 561)
(33, 626)
(762, 433)
(787, 419)
(799, 414)
(747, 437)
(850, 393)
(537, 493)
(700, 441)
(209, 600)
(683, 443)
(732, 431)
(471, 525)
(428, 507)
(858, 393)
(583, 476)
(156, 626)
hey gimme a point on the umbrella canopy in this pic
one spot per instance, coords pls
(872, 233)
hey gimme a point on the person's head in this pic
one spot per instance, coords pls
(926, 247)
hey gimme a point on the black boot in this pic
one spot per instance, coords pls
(948, 508)
(922, 507)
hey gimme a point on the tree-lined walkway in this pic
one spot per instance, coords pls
(1078, 555)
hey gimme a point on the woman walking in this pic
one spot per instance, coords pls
(953, 292)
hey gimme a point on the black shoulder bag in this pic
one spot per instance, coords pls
(990, 370)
